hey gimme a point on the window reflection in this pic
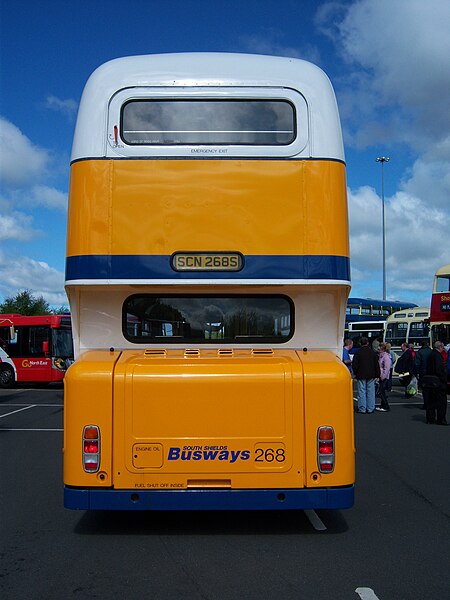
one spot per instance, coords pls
(175, 122)
(443, 284)
(237, 319)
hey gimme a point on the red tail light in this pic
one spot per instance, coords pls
(91, 448)
(325, 449)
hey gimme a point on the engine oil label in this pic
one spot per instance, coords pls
(147, 456)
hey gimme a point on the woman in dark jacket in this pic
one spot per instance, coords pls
(435, 383)
(405, 364)
(366, 369)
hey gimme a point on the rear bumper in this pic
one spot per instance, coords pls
(111, 499)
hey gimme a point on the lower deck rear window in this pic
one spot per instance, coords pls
(207, 318)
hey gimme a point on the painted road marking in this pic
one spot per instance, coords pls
(315, 520)
(23, 404)
(26, 407)
(18, 410)
(16, 429)
(366, 593)
(45, 390)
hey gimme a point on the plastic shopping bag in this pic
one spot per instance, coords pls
(411, 390)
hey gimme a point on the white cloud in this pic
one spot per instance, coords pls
(20, 160)
(68, 107)
(20, 272)
(417, 243)
(271, 42)
(16, 226)
(403, 49)
(49, 197)
(22, 166)
(430, 180)
(365, 228)
(395, 94)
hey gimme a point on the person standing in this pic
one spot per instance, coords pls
(366, 369)
(443, 352)
(405, 368)
(420, 369)
(393, 359)
(435, 381)
(384, 361)
(346, 356)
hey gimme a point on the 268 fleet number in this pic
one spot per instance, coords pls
(270, 455)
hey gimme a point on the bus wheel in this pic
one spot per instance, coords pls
(6, 376)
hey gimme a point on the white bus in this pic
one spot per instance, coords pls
(410, 326)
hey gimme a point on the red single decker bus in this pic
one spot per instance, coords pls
(34, 349)
(440, 306)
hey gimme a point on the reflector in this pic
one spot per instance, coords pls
(326, 467)
(326, 433)
(91, 466)
(90, 433)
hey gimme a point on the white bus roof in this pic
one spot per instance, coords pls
(445, 270)
(417, 312)
(212, 71)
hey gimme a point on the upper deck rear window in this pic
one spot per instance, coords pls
(215, 122)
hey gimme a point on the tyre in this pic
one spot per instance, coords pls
(6, 376)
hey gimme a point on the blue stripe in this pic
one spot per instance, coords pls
(255, 267)
(281, 499)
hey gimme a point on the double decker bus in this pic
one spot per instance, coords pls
(34, 348)
(208, 273)
(440, 306)
(410, 326)
(366, 317)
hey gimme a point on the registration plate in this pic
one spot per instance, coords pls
(207, 261)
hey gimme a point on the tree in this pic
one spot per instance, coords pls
(24, 303)
(62, 310)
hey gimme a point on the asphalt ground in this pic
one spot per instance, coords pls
(394, 544)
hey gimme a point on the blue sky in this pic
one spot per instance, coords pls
(389, 63)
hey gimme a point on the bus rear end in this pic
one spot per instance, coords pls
(208, 429)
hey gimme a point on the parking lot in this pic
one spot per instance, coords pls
(393, 544)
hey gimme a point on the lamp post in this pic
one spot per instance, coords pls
(382, 160)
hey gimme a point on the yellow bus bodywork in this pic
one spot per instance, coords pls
(287, 207)
(201, 421)
(171, 421)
